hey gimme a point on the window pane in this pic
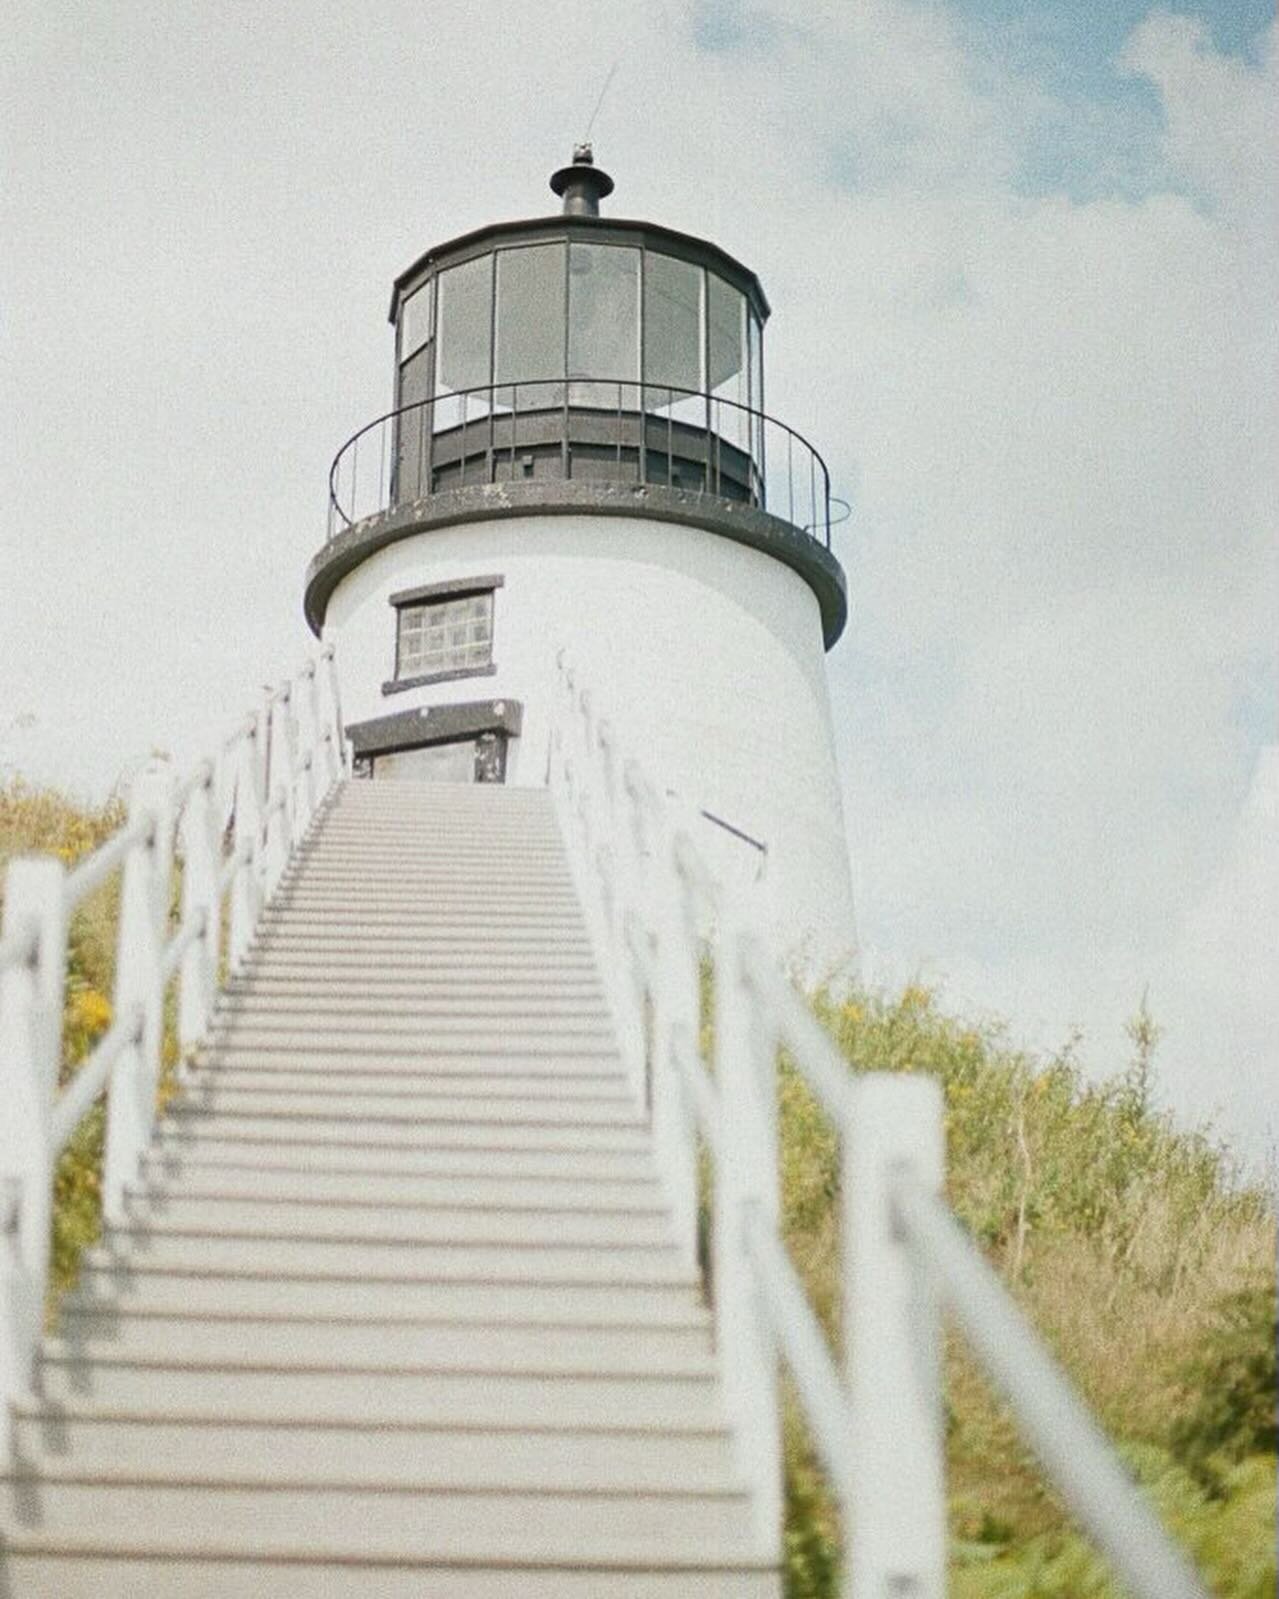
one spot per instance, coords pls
(444, 635)
(755, 343)
(727, 311)
(465, 325)
(755, 337)
(530, 313)
(416, 321)
(726, 316)
(672, 322)
(415, 385)
(603, 312)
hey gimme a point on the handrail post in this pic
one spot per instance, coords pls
(673, 1001)
(336, 733)
(309, 747)
(247, 836)
(746, 1183)
(278, 786)
(31, 1001)
(615, 846)
(892, 1334)
(199, 977)
(139, 987)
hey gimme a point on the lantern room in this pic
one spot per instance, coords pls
(613, 351)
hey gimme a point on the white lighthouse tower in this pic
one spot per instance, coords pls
(579, 459)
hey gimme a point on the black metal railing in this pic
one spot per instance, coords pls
(587, 429)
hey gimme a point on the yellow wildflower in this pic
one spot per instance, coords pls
(92, 1010)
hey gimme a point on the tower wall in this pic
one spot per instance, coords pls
(707, 656)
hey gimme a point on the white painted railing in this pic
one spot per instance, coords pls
(659, 921)
(233, 822)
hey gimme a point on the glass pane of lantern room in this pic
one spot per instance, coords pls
(673, 337)
(416, 320)
(530, 323)
(464, 338)
(755, 350)
(603, 323)
(726, 351)
(410, 437)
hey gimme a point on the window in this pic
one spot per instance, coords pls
(464, 325)
(672, 322)
(726, 316)
(603, 320)
(446, 635)
(530, 317)
(410, 435)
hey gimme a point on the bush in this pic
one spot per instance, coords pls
(1135, 1248)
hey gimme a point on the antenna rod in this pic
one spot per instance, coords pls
(586, 137)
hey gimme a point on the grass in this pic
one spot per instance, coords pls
(1134, 1246)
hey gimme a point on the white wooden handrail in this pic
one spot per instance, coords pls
(293, 749)
(659, 920)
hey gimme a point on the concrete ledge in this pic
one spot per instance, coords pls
(491, 502)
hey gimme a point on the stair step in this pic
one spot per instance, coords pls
(453, 979)
(312, 1343)
(552, 1079)
(209, 1575)
(357, 1254)
(379, 1220)
(495, 941)
(393, 895)
(488, 850)
(417, 1109)
(187, 1291)
(464, 976)
(180, 1388)
(604, 1159)
(394, 886)
(547, 1032)
(194, 1178)
(425, 1057)
(359, 1006)
(478, 922)
(383, 1522)
(80, 1439)
(478, 959)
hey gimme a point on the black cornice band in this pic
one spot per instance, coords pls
(494, 502)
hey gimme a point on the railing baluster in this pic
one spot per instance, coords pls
(200, 898)
(139, 988)
(746, 1184)
(892, 1332)
(31, 1000)
(246, 898)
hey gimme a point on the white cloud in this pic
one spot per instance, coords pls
(1060, 420)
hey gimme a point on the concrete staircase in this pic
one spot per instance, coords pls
(397, 1312)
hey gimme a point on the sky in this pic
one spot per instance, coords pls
(1021, 256)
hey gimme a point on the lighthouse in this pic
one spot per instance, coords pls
(579, 460)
